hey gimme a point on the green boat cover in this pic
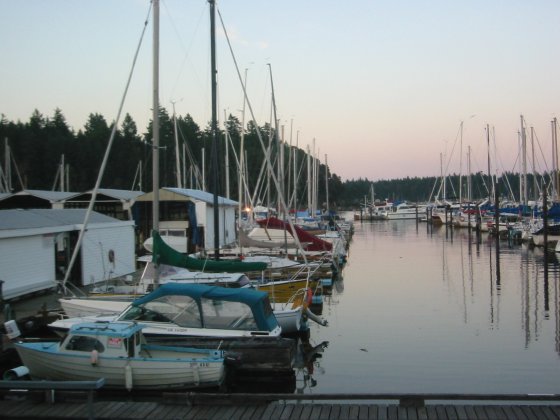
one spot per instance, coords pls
(164, 254)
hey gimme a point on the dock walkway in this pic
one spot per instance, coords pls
(254, 408)
(275, 410)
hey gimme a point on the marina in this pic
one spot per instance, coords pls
(425, 320)
(236, 287)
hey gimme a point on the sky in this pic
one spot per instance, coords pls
(377, 89)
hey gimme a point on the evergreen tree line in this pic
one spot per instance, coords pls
(37, 147)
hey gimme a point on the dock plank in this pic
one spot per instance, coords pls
(23, 409)
(422, 413)
(382, 412)
(259, 411)
(335, 411)
(326, 411)
(529, 413)
(296, 410)
(315, 412)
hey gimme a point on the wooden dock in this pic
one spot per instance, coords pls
(191, 406)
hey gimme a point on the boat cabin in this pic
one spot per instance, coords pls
(116, 339)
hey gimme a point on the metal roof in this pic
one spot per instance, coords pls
(126, 195)
(46, 218)
(202, 196)
(52, 196)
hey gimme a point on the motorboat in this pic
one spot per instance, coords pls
(118, 352)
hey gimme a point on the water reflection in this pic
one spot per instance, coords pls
(307, 361)
(441, 310)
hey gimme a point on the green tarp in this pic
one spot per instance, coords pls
(164, 254)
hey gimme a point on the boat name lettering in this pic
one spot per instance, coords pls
(114, 342)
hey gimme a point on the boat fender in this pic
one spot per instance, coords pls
(128, 377)
(94, 357)
(317, 319)
(16, 373)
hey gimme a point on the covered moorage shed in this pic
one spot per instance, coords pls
(36, 246)
(189, 213)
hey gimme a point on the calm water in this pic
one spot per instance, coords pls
(424, 310)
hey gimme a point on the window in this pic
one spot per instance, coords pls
(85, 343)
(228, 315)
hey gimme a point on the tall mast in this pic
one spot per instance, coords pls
(155, 120)
(524, 162)
(240, 195)
(535, 188)
(327, 182)
(461, 166)
(276, 136)
(490, 183)
(309, 180)
(469, 180)
(226, 154)
(555, 173)
(177, 150)
(155, 130)
(214, 126)
(295, 177)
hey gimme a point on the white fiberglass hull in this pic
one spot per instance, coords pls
(157, 370)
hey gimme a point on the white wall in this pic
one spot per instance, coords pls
(97, 243)
(27, 264)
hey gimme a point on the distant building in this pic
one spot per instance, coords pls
(36, 246)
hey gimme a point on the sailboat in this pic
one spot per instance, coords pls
(289, 313)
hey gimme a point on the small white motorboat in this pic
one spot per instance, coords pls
(118, 352)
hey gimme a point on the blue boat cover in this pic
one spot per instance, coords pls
(257, 300)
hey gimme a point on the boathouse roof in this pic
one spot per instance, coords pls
(187, 194)
(25, 220)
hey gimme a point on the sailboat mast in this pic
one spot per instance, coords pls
(226, 155)
(240, 195)
(177, 149)
(535, 187)
(327, 182)
(214, 126)
(490, 183)
(155, 120)
(524, 162)
(155, 130)
(295, 177)
(461, 167)
(555, 173)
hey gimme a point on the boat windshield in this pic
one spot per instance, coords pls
(223, 314)
(180, 310)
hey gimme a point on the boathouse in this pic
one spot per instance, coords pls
(108, 201)
(36, 246)
(188, 213)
